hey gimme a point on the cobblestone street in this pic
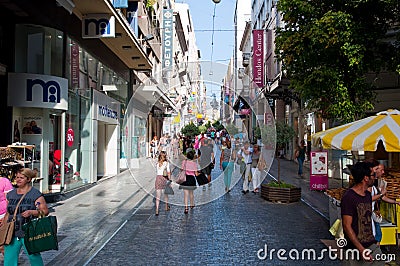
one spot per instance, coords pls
(228, 231)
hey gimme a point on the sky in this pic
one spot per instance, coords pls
(223, 39)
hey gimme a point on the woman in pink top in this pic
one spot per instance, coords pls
(190, 184)
(5, 187)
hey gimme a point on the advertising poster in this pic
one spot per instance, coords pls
(319, 170)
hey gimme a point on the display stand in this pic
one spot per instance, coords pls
(24, 157)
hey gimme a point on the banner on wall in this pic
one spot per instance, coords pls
(319, 170)
(258, 58)
(167, 40)
(74, 65)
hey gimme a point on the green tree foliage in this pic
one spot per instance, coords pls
(327, 46)
(284, 134)
(190, 130)
(217, 125)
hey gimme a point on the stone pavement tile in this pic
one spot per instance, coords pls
(228, 231)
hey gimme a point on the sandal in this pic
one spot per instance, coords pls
(167, 208)
(156, 212)
(192, 206)
(186, 210)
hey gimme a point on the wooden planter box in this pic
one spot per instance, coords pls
(283, 195)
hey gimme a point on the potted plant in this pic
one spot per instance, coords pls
(279, 191)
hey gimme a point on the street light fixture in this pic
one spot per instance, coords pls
(216, 1)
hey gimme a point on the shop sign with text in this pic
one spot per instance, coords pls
(168, 33)
(258, 58)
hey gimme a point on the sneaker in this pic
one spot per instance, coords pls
(204, 188)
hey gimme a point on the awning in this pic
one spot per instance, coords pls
(126, 46)
(364, 134)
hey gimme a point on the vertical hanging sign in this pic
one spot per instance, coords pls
(168, 34)
(258, 58)
(74, 65)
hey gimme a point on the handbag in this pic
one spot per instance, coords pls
(201, 179)
(261, 164)
(165, 172)
(168, 188)
(377, 216)
(7, 228)
(41, 234)
(181, 176)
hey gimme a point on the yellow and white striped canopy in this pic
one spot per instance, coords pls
(364, 134)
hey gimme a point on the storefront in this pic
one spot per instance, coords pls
(39, 103)
(64, 125)
(106, 137)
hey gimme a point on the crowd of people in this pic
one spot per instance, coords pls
(199, 162)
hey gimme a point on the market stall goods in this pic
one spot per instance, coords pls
(336, 193)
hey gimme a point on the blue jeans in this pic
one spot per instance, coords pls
(301, 161)
(11, 253)
(228, 170)
(378, 232)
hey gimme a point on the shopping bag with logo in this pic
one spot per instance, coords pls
(7, 228)
(41, 234)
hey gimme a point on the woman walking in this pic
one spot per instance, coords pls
(226, 162)
(30, 207)
(300, 155)
(163, 175)
(257, 164)
(190, 167)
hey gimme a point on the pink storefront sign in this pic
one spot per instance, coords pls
(258, 58)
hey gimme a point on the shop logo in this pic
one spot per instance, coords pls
(50, 90)
(97, 25)
(107, 112)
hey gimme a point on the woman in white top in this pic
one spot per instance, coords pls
(162, 168)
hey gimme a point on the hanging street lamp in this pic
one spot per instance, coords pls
(216, 1)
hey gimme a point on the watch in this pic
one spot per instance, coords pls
(380, 195)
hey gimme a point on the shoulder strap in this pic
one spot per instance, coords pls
(19, 202)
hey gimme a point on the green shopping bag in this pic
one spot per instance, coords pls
(41, 234)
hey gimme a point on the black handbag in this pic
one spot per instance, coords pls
(201, 179)
(41, 234)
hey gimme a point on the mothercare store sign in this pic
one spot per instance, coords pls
(41, 91)
(105, 109)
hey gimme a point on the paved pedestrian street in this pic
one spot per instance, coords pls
(228, 231)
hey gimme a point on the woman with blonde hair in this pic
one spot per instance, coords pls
(32, 205)
(163, 175)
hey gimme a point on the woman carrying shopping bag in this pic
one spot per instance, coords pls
(31, 206)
